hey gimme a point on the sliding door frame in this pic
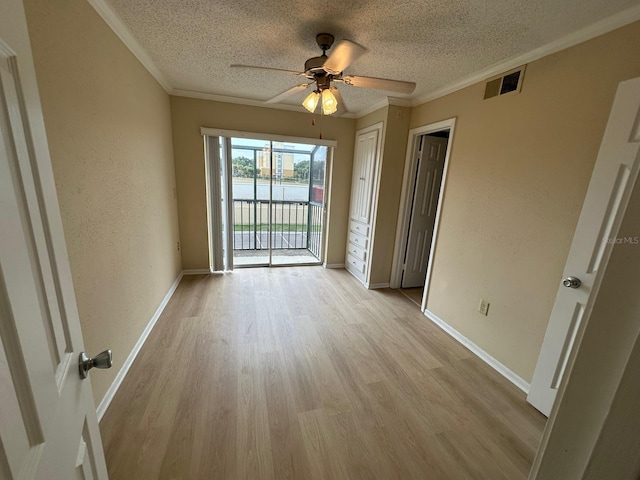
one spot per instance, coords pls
(213, 163)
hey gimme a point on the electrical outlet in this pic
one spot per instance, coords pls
(178, 246)
(484, 307)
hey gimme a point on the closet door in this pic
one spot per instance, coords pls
(364, 164)
(363, 201)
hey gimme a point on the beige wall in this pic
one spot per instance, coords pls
(190, 114)
(109, 131)
(393, 157)
(372, 118)
(518, 173)
(395, 132)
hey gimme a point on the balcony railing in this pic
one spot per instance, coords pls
(294, 225)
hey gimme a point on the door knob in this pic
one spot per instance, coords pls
(571, 282)
(102, 360)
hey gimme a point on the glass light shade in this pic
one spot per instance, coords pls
(329, 102)
(311, 102)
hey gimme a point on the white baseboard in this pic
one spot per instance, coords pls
(108, 397)
(196, 271)
(488, 359)
(333, 265)
(373, 286)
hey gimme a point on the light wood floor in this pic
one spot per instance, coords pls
(413, 294)
(301, 373)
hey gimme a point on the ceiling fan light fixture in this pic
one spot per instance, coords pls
(311, 102)
(329, 102)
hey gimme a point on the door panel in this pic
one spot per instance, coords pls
(46, 410)
(365, 158)
(430, 168)
(613, 176)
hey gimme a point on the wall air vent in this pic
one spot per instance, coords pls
(508, 82)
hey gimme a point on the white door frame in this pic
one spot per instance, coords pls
(404, 213)
(213, 211)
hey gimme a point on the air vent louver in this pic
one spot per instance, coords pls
(508, 82)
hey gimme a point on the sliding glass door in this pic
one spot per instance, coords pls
(251, 185)
(274, 208)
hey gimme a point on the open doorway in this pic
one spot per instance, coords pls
(425, 172)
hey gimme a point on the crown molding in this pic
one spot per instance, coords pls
(244, 101)
(372, 108)
(385, 102)
(601, 27)
(399, 102)
(594, 30)
(113, 20)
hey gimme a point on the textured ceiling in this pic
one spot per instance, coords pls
(433, 43)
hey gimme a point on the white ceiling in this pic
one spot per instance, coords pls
(190, 44)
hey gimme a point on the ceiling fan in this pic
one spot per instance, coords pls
(323, 70)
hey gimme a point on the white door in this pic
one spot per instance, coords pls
(48, 424)
(364, 163)
(613, 178)
(431, 155)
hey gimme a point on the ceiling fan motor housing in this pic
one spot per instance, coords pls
(324, 41)
(313, 66)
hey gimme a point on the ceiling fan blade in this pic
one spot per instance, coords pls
(291, 91)
(380, 83)
(343, 54)
(269, 68)
(342, 108)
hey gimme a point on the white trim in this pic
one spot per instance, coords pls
(212, 169)
(399, 102)
(605, 25)
(374, 286)
(221, 132)
(115, 385)
(385, 102)
(375, 193)
(227, 199)
(196, 271)
(404, 212)
(372, 108)
(327, 205)
(488, 359)
(333, 265)
(113, 20)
